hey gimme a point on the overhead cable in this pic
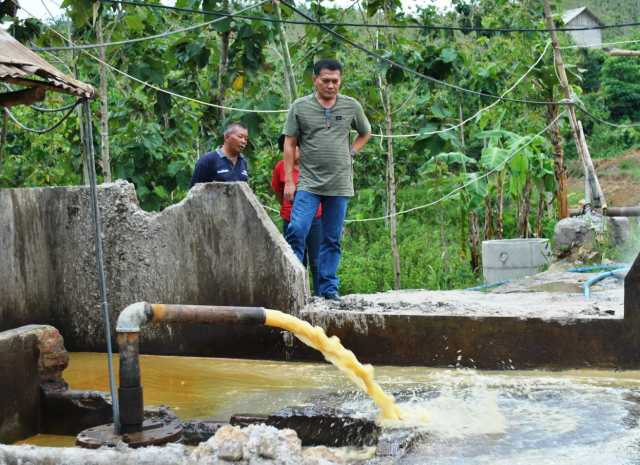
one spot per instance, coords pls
(434, 27)
(603, 45)
(608, 123)
(151, 37)
(41, 131)
(479, 112)
(154, 87)
(459, 188)
(413, 71)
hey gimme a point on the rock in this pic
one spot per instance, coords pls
(581, 235)
(318, 425)
(253, 445)
(322, 455)
(230, 443)
(267, 445)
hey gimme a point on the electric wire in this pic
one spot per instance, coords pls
(608, 123)
(479, 112)
(376, 25)
(413, 71)
(152, 86)
(41, 131)
(53, 110)
(142, 39)
(603, 45)
(461, 187)
(344, 39)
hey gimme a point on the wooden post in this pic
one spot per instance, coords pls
(594, 184)
(558, 161)
(616, 52)
(564, 85)
(22, 97)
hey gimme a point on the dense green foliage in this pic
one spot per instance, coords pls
(507, 173)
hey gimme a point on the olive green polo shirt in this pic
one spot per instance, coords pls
(323, 136)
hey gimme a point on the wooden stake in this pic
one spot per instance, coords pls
(564, 85)
(616, 52)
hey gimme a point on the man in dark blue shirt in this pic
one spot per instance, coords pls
(226, 163)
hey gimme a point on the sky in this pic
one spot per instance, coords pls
(42, 8)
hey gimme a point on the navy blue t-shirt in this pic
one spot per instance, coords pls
(214, 166)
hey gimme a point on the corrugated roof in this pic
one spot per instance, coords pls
(18, 62)
(570, 15)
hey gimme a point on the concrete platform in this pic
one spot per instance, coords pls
(541, 321)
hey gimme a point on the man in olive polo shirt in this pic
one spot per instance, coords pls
(320, 124)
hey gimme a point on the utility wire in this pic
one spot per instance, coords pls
(373, 25)
(603, 45)
(41, 131)
(53, 110)
(608, 123)
(151, 86)
(413, 71)
(459, 188)
(151, 37)
(482, 110)
(344, 39)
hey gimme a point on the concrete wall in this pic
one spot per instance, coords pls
(217, 246)
(30, 356)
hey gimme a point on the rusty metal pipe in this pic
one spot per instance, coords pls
(128, 328)
(130, 390)
(611, 211)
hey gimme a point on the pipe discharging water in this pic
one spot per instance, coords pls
(343, 359)
(137, 430)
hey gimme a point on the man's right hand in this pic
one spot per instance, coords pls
(289, 191)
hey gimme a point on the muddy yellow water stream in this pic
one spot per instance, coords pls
(334, 352)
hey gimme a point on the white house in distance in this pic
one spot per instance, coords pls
(582, 17)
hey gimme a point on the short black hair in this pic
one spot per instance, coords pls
(331, 65)
(231, 127)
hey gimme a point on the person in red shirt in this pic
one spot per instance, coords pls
(314, 239)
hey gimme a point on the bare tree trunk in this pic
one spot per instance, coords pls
(290, 80)
(385, 98)
(558, 163)
(105, 158)
(500, 200)
(474, 239)
(85, 168)
(223, 65)
(540, 210)
(3, 135)
(391, 187)
(488, 218)
(461, 115)
(445, 248)
(525, 206)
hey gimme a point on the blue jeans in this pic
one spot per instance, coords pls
(334, 210)
(312, 250)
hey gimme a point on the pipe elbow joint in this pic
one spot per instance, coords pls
(132, 317)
